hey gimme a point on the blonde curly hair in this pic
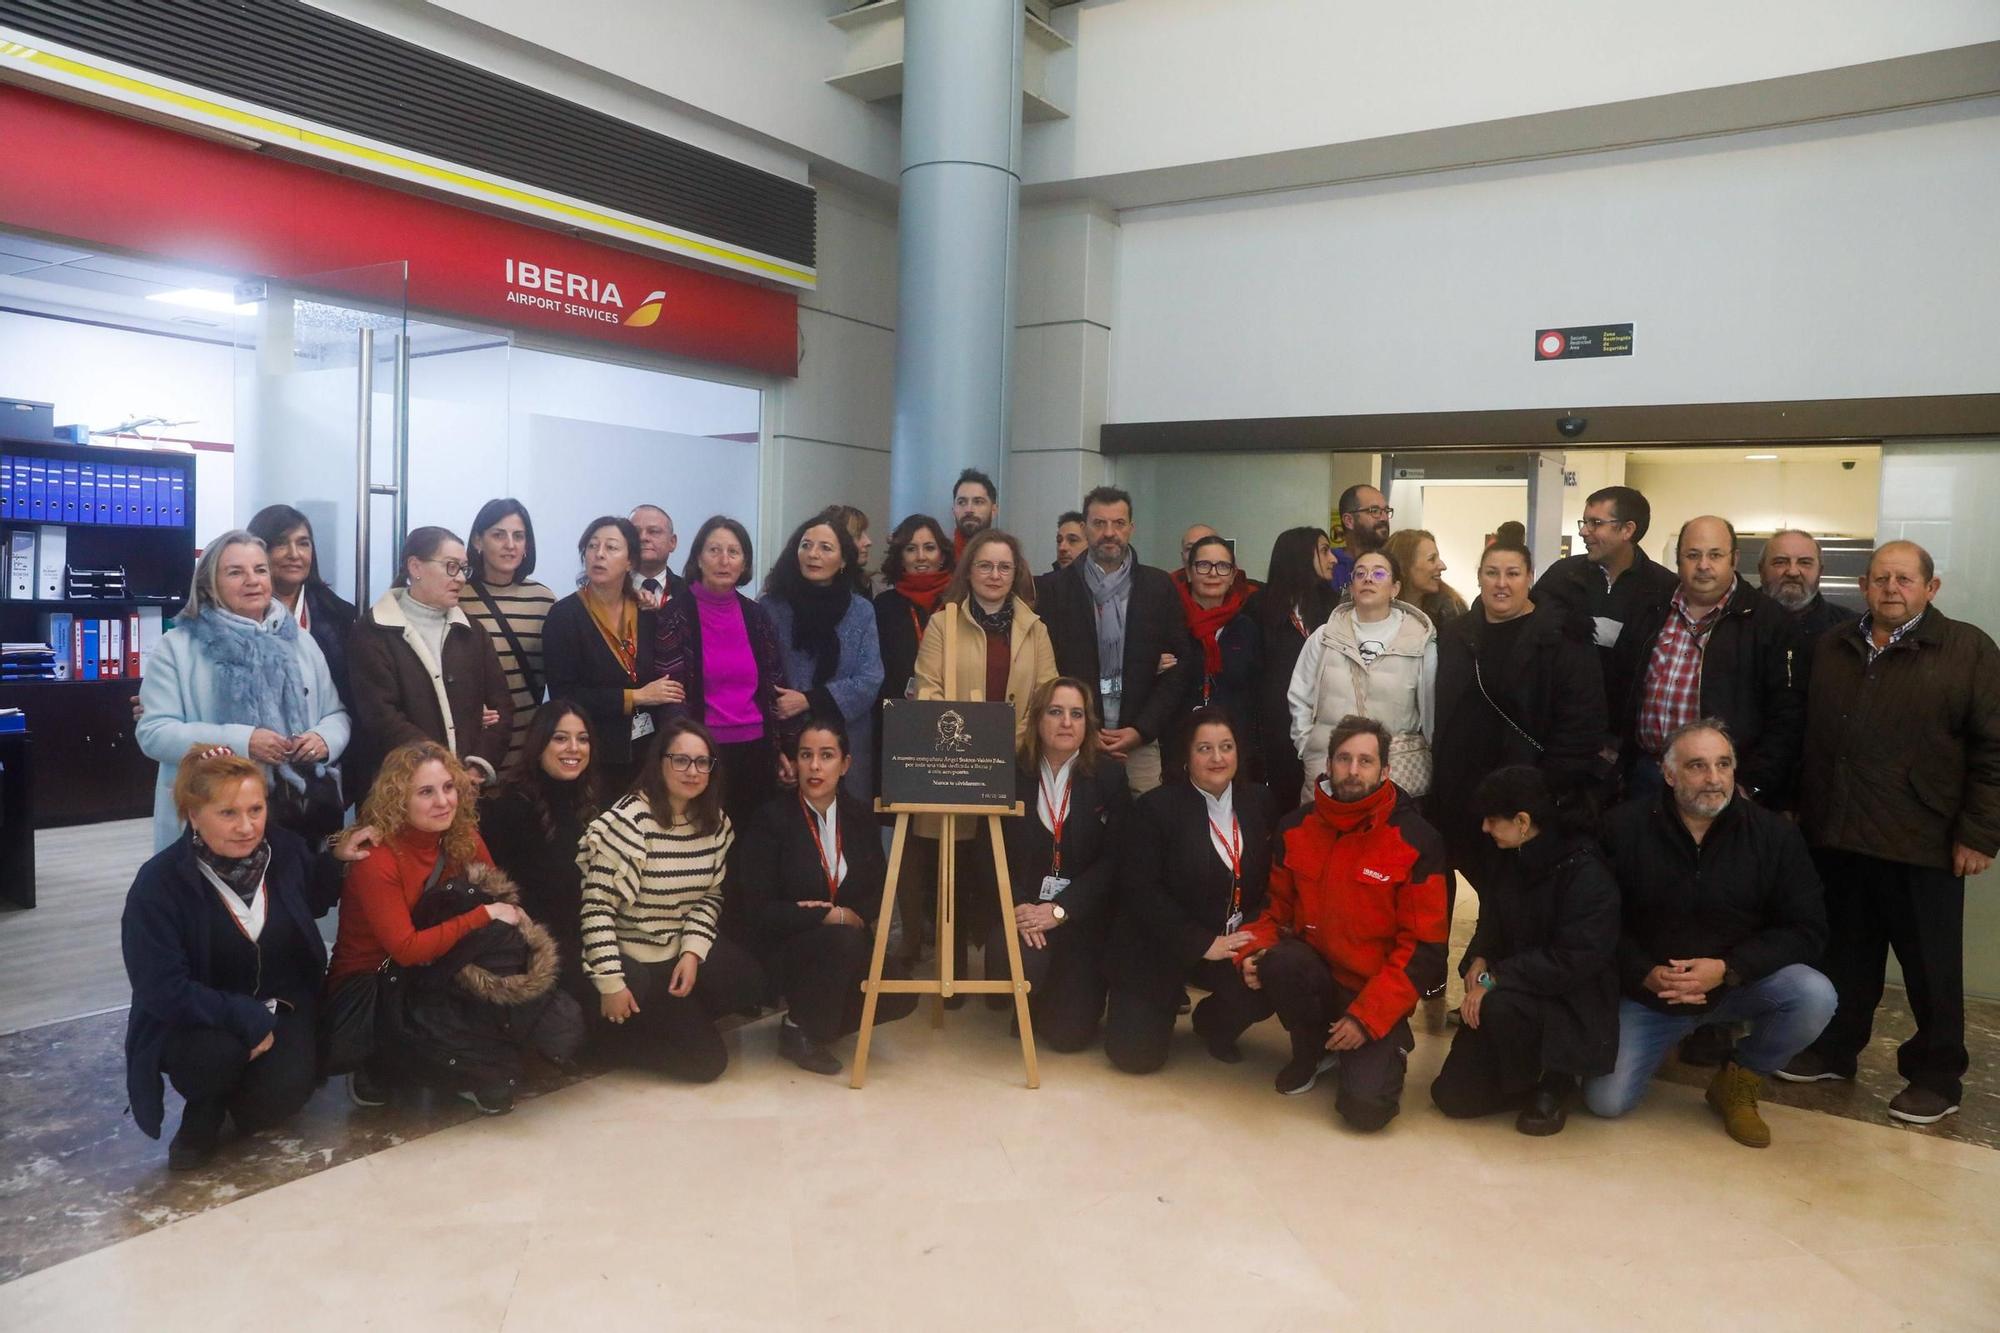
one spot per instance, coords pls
(387, 808)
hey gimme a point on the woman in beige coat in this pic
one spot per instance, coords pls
(984, 643)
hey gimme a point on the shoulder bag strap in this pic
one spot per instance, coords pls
(1480, 678)
(534, 682)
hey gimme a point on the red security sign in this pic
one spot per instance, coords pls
(74, 171)
(1589, 340)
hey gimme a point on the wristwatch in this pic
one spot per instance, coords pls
(1057, 908)
(1485, 981)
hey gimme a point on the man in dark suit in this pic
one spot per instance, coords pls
(1117, 624)
(655, 583)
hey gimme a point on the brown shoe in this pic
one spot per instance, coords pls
(1733, 1094)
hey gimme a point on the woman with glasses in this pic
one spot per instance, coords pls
(598, 645)
(1213, 597)
(653, 870)
(833, 661)
(1294, 602)
(985, 642)
(1375, 657)
(420, 670)
(510, 606)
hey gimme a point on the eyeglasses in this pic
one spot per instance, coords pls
(1586, 526)
(1214, 567)
(454, 569)
(1374, 574)
(700, 763)
(988, 569)
(1373, 511)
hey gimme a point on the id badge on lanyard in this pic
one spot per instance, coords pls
(642, 726)
(1054, 882)
(1234, 847)
(1052, 887)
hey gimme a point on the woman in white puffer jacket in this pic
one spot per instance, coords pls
(1375, 656)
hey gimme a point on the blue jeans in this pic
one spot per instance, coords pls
(1785, 1011)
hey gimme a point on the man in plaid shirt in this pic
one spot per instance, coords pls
(1715, 648)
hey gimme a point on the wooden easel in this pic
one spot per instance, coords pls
(945, 984)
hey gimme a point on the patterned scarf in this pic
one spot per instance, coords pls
(243, 873)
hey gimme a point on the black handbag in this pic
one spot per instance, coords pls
(314, 808)
(349, 1018)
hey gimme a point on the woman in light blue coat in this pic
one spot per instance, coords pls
(236, 671)
(833, 657)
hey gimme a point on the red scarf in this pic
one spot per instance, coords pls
(922, 590)
(957, 544)
(1346, 817)
(1206, 623)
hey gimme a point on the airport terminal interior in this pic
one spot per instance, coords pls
(1161, 289)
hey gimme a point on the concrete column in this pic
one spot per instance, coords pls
(956, 244)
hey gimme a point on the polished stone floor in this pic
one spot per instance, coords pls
(945, 1194)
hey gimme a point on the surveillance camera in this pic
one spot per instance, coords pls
(1847, 464)
(1572, 426)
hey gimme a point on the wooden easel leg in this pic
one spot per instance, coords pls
(1005, 882)
(872, 986)
(947, 923)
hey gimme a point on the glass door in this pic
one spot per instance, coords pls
(322, 409)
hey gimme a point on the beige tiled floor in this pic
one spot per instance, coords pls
(947, 1195)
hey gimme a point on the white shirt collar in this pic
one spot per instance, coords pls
(1221, 808)
(1053, 783)
(249, 916)
(829, 837)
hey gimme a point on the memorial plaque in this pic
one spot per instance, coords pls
(941, 752)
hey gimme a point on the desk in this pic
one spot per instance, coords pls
(17, 819)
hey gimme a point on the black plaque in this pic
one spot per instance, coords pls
(946, 753)
(1590, 340)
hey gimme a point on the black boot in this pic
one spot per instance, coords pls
(194, 1142)
(1549, 1111)
(803, 1051)
(1310, 1059)
(1221, 1045)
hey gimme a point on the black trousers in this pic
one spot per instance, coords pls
(1065, 983)
(211, 1065)
(1139, 1028)
(749, 778)
(676, 1035)
(1308, 1000)
(1873, 906)
(821, 971)
(1495, 1066)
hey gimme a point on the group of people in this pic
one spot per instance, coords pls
(615, 816)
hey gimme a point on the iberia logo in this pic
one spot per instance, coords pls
(648, 312)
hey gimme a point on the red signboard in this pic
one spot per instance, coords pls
(72, 171)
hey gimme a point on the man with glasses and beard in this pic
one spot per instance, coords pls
(1722, 919)
(1364, 527)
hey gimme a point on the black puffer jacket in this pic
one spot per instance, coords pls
(1904, 754)
(1548, 927)
(1747, 893)
(464, 1020)
(1752, 677)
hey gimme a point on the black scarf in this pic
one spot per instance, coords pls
(243, 874)
(816, 615)
(999, 624)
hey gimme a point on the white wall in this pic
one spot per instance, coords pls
(102, 377)
(1167, 82)
(1817, 495)
(1264, 495)
(1848, 260)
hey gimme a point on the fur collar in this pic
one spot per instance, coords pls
(544, 959)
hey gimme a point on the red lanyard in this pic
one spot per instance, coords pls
(830, 869)
(1056, 819)
(1233, 845)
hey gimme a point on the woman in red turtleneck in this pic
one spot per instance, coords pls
(917, 569)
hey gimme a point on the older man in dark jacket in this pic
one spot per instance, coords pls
(1113, 623)
(1715, 648)
(1722, 920)
(1902, 802)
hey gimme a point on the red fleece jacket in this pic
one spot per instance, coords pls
(1363, 884)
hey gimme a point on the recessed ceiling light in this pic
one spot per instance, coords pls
(1760, 458)
(202, 298)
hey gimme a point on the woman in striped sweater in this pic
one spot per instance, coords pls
(509, 606)
(653, 868)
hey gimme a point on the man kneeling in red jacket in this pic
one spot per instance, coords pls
(1354, 929)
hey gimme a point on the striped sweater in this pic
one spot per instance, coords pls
(650, 893)
(526, 605)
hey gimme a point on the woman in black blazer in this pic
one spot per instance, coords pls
(597, 648)
(807, 880)
(1063, 888)
(1197, 857)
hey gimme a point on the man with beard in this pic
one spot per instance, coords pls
(1117, 623)
(1364, 527)
(1722, 919)
(1903, 744)
(1788, 573)
(1354, 929)
(975, 505)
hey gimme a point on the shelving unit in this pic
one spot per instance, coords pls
(87, 763)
